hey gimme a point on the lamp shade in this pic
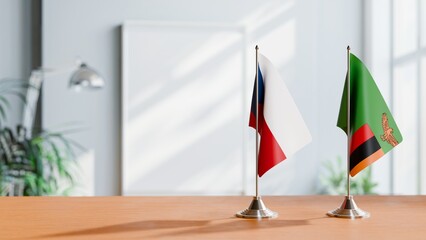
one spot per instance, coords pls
(86, 77)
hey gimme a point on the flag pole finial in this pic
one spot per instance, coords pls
(348, 48)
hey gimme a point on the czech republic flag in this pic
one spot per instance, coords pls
(281, 126)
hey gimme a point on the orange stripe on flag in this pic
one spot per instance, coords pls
(360, 136)
(367, 161)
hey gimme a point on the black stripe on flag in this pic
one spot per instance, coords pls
(364, 150)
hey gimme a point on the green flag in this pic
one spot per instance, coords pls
(373, 131)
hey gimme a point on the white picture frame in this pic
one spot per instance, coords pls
(201, 151)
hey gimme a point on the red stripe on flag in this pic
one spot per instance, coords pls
(270, 152)
(360, 136)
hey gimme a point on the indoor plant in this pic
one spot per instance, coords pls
(334, 180)
(38, 165)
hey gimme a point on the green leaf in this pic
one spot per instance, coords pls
(47, 160)
(2, 113)
(30, 180)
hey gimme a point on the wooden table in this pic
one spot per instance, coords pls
(392, 217)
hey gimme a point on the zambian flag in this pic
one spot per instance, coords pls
(373, 131)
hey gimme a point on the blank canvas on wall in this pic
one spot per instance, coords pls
(183, 120)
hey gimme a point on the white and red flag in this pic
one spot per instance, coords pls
(281, 127)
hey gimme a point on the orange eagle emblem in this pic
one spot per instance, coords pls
(387, 132)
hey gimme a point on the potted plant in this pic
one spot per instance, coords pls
(32, 166)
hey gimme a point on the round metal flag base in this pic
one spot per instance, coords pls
(257, 209)
(349, 209)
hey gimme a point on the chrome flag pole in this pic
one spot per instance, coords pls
(257, 208)
(257, 120)
(348, 209)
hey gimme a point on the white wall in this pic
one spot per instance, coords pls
(15, 47)
(340, 23)
(305, 39)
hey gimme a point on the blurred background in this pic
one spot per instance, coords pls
(172, 116)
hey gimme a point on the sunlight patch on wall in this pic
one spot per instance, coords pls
(283, 36)
(265, 13)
